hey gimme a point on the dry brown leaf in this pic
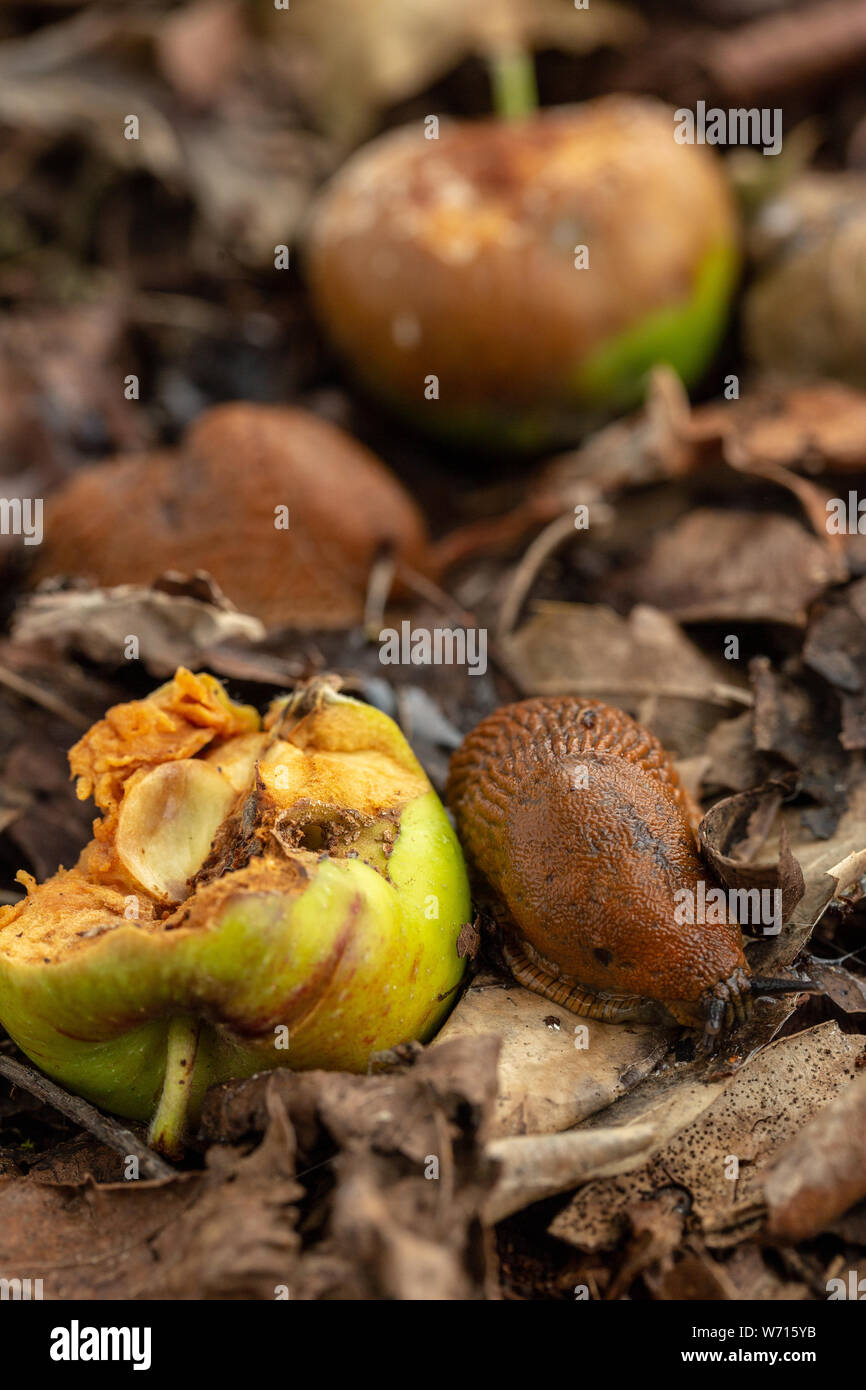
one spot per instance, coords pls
(715, 566)
(647, 447)
(818, 428)
(749, 1120)
(835, 647)
(792, 722)
(644, 664)
(546, 1082)
(382, 1229)
(821, 1173)
(847, 991)
(251, 170)
(58, 400)
(172, 628)
(733, 762)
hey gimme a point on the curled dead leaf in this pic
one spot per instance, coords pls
(734, 829)
(175, 621)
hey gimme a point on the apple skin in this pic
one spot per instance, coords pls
(344, 954)
(455, 258)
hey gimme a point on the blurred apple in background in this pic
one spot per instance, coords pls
(459, 258)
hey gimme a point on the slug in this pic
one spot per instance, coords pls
(576, 818)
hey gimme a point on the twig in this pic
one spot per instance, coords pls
(37, 696)
(439, 598)
(101, 1126)
(535, 1166)
(786, 51)
(162, 308)
(380, 581)
(523, 578)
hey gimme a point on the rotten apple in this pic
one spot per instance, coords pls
(257, 894)
(509, 283)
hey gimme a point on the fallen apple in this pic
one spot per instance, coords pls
(508, 283)
(285, 892)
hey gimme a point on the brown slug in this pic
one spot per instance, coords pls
(578, 821)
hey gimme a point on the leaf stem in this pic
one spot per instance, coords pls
(515, 90)
(167, 1129)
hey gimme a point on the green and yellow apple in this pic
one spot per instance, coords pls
(258, 893)
(511, 283)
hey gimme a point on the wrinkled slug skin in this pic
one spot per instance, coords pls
(577, 820)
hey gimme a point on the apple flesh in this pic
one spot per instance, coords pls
(317, 922)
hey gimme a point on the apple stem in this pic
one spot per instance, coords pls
(515, 90)
(169, 1122)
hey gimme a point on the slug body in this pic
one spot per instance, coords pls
(576, 818)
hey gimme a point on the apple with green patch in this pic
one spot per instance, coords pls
(511, 282)
(286, 892)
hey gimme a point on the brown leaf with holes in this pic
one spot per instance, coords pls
(822, 1172)
(749, 1120)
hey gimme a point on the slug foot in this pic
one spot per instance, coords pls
(578, 999)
